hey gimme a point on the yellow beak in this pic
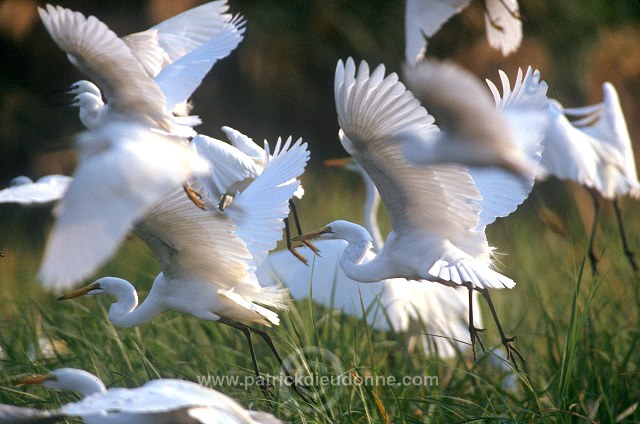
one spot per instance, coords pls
(80, 292)
(34, 379)
(313, 234)
(337, 163)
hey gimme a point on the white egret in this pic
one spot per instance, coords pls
(236, 166)
(142, 78)
(45, 190)
(403, 306)
(123, 170)
(435, 211)
(164, 400)
(474, 132)
(591, 145)
(423, 18)
(208, 257)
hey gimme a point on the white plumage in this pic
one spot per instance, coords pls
(423, 18)
(46, 190)
(170, 401)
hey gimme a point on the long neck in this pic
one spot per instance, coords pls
(92, 110)
(359, 245)
(124, 312)
(371, 204)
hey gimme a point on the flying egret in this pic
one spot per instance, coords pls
(164, 400)
(45, 190)
(435, 211)
(474, 132)
(423, 18)
(123, 170)
(142, 78)
(591, 145)
(236, 166)
(208, 257)
(388, 304)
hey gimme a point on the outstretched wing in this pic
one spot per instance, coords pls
(260, 209)
(46, 190)
(124, 169)
(98, 52)
(525, 108)
(374, 112)
(177, 36)
(231, 170)
(503, 25)
(180, 79)
(423, 18)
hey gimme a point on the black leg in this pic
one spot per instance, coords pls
(593, 259)
(291, 380)
(506, 341)
(260, 381)
(294, 212)
(289, 246)
(625, 245)
(473, 331)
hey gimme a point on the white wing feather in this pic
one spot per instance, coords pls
(124, 169)
(423, 18)
(180, 79)
(503, 26)
(260, 209)
(98, 52)
(50, 188)
(525, 108)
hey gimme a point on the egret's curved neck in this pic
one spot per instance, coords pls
(92, 110)
(359, 244)
(371, 204)
(125, 312)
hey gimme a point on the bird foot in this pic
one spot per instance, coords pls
(312, 247)
(473, 332)
(298, 255)
(265, 386)
(300, 389)
(195, 197)
(506, 342)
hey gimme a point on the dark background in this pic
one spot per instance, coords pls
(280, 79)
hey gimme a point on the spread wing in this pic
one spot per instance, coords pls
(46, 190)
(177, 36)
(503, 25)
(423, 18)
(260, 209)
(98, 52)
(373, 111)
(525, 108)
(124, 169)
(231, 170)
(180, 79)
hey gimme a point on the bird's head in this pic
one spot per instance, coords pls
(336, 230)
(84, 86)
(65, 379)
(90, 290)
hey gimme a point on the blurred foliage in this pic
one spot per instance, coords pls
(280, 80)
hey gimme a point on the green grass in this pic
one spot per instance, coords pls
(579, 334)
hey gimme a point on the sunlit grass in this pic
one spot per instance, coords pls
(579, 334)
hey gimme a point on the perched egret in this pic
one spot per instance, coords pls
(46, 190)
(474, 132)
(123, 170)
(591, 145)
(208, 257)
(405, 306)
(145, 77)
(435, 211)
(423, 18)
(165, 400)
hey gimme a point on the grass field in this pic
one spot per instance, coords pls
(579, 334)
